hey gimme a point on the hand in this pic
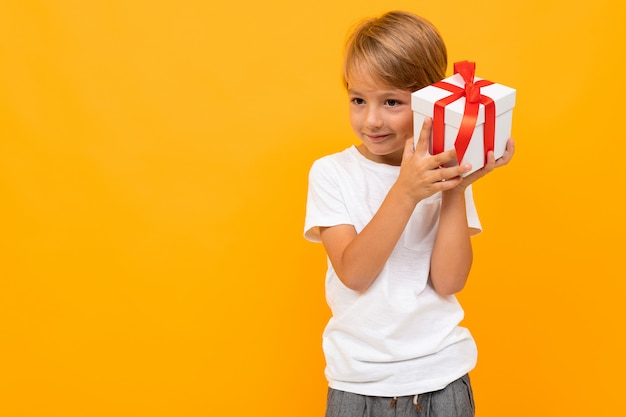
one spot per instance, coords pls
(423, 174)
(492, 163)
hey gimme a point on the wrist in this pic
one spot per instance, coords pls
(456, 194)
(458, 191)
(402, 197)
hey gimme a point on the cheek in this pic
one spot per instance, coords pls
(405, 125)
(355, 120)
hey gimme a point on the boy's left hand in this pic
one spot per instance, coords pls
(492, 163)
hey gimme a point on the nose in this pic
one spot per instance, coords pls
(373, 118)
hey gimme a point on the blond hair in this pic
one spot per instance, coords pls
(401, 49)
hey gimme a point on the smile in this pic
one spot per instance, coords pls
(377, 138)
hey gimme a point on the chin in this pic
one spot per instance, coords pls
(384, 149)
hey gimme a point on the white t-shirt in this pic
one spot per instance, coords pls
(399, 337)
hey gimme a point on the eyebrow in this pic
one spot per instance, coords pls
(378, 92)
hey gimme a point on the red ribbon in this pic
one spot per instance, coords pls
(473, 99)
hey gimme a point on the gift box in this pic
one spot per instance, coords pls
(470, 114)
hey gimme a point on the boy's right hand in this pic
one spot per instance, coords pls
(423, 174)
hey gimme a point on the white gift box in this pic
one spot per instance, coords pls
(423, 102)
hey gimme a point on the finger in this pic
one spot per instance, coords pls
(408, 149)
(507, 155)
(510, 145)
(443, 158)
(490, 162)
(457, 171)
(509, 151)
(479, 173)
(475, 175)
(423, 139)
(449, 183)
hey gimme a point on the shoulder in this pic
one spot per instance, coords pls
(330, 165)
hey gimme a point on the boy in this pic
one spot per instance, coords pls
(396, 228)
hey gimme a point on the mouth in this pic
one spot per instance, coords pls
(377, 138)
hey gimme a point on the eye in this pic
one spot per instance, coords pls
(392, 103)
(357, 100)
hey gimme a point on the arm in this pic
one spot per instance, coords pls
(452, 256)
(359, 258)
(452, 253)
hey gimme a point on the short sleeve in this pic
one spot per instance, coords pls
(325, 204)
(473, 221)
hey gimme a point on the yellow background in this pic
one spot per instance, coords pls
(153, 167)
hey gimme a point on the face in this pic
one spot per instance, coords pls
(381, 117)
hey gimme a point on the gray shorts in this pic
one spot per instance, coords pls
(455, 400)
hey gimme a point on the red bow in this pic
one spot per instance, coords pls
(473, 99)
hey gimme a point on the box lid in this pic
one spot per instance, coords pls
(423, 101)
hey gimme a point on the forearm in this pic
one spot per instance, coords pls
(452, 256)
(366, 254)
